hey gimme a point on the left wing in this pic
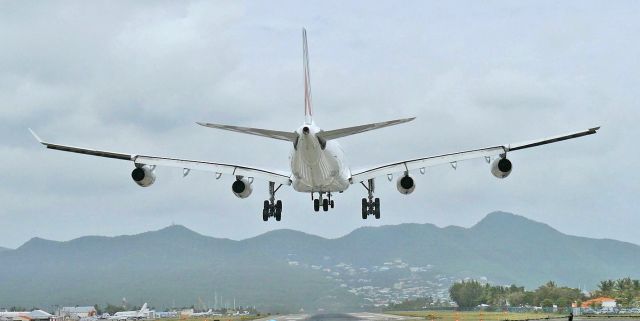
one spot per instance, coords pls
(185, 164)
(419, 163)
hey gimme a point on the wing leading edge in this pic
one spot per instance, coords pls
(220, 168)
(419, 163)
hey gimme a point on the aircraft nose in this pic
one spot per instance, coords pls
(305, 130)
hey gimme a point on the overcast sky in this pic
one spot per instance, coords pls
(136, 76)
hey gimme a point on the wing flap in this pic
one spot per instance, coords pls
(227, 169)
(413, 164)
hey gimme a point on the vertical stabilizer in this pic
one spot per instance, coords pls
(308, 112)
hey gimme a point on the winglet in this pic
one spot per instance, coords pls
(37, 137)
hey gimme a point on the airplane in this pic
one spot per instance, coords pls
(13, 314)
(317, 162)
(131, 315)
(202, 314)
(24, 314)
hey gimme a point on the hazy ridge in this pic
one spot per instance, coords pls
(175, 264)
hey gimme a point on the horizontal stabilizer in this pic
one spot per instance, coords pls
(275, 134)
(348, 131)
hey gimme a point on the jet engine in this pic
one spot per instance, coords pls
(501, 167)
(406, 184)
(242, 188)
(143, 176)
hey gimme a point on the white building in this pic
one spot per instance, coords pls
(78, 312)
(35, 315)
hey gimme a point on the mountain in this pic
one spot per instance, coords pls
(286, 270)
(2, 249)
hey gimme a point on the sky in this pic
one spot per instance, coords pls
(135, 77)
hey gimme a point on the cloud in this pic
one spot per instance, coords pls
(135, 77)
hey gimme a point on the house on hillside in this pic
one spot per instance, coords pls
(604, 302)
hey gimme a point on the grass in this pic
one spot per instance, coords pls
(218, 318)
(475, 315)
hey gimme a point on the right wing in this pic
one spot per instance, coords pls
(452, 158)
(186, 164)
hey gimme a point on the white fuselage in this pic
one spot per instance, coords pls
(317, 169)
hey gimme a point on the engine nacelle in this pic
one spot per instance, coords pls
(406, 184)
(143, 176)
(501, 167)
(242, 188)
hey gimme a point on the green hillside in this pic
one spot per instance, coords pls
(288, 270)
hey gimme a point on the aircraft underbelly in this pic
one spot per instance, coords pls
(316, 170)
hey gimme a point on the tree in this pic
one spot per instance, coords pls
(626, 291)
(112, 309)
(605, 288)
(516, 298)
(98, 310)
(467, 294)
(563, 302)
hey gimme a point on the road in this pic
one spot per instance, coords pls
(359, 316)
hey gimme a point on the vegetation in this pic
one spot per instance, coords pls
(625, 291)
(418, 304)
(472, 315)
(468, 294)
(176, 266)
(111, 309)
(219, 318)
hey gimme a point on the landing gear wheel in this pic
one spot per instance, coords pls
(265, 211)
(272, 208)
(316, 205)
(325, 204)
(364, 208)
(370, 206)
(278, 210)
(332, 203)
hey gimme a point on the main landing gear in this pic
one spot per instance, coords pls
(324, 202)
(272, 208)
(370, 206)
